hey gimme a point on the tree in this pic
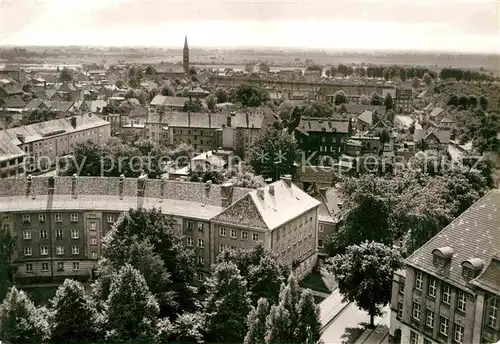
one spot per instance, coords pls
(340, 98)
(227, 304)
(74, 318)
(132, 311)
(308, 322)
(483, 103)
(364, 100)
(278, 325)
(119, 84)
(20, 320)
(221, 95)
(364, 274)
(211, 103)
(415, 82)
(66, 75)
(148, 241)
(192, 71)
(427, 79)
(130, 94)
(264, 67)
(256, 323)
(273, 154)
(388, 102)
(193, 105)
(251, 95)
(165, 91)
(7, 249)
(376, 99)
(189, 328)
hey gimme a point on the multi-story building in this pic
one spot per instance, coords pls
(449, 291)
(322, 137)
(328, 216)
(44, 142)
(404, 100)
(11, 160)
(60, 222)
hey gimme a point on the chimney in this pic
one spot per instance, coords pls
(226, 193)
(162, 188)
(20, 137)
(28, 185)
(52, 185)
(247, 119)
(287, 178)
(260, 193)
(209, 120)
(189, 119)
(228, 121)
(120, 186)
(339, 205)
(322, 191)
(73, 122)
(271, 190)
(141, 185)
(73, 186)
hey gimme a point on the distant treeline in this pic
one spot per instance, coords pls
(466, 75)
(386, 72)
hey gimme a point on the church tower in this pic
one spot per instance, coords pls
(185, 55)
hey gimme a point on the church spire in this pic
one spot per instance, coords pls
(185, 55)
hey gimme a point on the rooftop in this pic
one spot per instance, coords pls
(8, 150)
(314, 124)
(474, 234)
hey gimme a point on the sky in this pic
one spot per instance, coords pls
(429, 25)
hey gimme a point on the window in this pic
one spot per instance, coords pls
(402, 285)
(200, 226)
(446, 294)
(400, 310)
(244, 235)
(199, 277)
(459, 333)
(320, 228)
(493, 312)
(189, 225)
(222, 247)
(233, 233)
(76, 266)
(59, 234)
(438, 260)
(60, 266)
(41, 218)
(26, 218)
(429, 318)
(93, 226)
(44, 250)
(29, 267)
(27, 251)
(255, 236)
(75, 249)
(74, 217)
(201, 260)
(45, 266)
(427, 341)
(416, 311)
(222, 231)
(43, 234)
(419, 280)
(320, 243)
(190, 241)
(200, 243)
(74, 234)
(443, 326)
(111, 218)
(467, 273)
(232, 247)
(59, 250)
(26, 234)
(461, 301)
(58, 218)
(94, 255)
(432, 287)
(413, 338)
(93, 241)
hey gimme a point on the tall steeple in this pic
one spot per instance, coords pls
(185, 55)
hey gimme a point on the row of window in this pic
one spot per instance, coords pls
(445, 291)
(60, 266)
(190, 242)
(58, 218)
(190, 226)
(443, 322)
(414, 337)
(44, 250)
(234, 234)
(75, 234)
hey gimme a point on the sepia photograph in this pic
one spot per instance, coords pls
(249, 172)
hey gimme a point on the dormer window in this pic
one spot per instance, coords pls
(442, 256)
(472, 268)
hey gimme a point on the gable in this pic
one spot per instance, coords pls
(242, 213)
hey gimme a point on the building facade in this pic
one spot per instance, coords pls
(450, 289)
(59, 222)
(404, 101)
